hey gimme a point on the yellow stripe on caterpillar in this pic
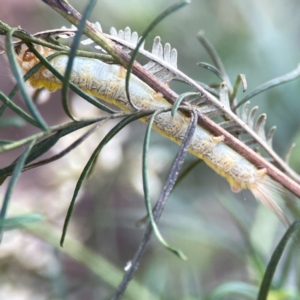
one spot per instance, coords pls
(106, 81)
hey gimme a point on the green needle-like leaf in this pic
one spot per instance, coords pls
(14, 178)
(211, 68)
(157, 233)
(270, 84)
(241, 78)
(93, 157)
(72, 54)
(272, 265)
(159, 18)
(179, 100)
(19, 222)
(18, 75)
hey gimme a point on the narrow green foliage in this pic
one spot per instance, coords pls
(25, 78)
(11, 122)
(66, 127)
(18, 75)
(211, 68)
(36, 151)
(159, 18)
(215, 57)
(5, 142)
(157, 233)
(181, 177)
(19, 222)
(26, 37)
(272, 265)
(179, 101)
(41, 147)
(270, 84)
(90, 163)
(160, 204)
(240, 79)
(176, 166)
(17, 109)
(290, 258)
(75, 44)
(64, 152)
(15, 176)
(208, 88)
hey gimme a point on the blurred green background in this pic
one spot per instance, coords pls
(260, 39)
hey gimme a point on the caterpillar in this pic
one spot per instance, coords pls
(107, 82)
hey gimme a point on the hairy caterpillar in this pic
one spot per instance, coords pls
(107, 82)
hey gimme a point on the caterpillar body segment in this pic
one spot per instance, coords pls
(107, 82)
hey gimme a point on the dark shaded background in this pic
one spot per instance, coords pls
(259, 39)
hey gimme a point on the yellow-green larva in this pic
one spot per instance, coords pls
(107, 82)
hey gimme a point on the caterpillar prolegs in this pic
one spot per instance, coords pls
(107, 82)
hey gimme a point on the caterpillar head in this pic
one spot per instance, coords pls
(42, 78)
(27, 59)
